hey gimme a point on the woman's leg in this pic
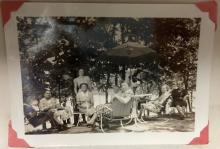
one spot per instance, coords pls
(57, 117)
(76, 119)
(84, 118)
(180, 111)
(76, 116)
(92, 120)
(44, 126)
(52, 120)
(141, 110)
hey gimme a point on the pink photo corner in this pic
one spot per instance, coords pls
(10, 6)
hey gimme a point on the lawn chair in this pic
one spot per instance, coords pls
(118, 112)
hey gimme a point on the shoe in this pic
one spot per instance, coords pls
(182, 117)
(83, 122)
(62, 127)
(44, 130)
(69, 125)
(90, 125)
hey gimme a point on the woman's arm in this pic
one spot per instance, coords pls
(43, 106)
(75, 85)
(78, 97)
(92, 100)
(57, 104)
(89, 82)
(186, 97)
(124, 100)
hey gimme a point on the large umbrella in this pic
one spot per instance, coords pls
(130, 53)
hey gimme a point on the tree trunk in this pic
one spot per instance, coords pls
(122, 34)
(107, 86)
(116, 79)
(123, 72)
(59, 87)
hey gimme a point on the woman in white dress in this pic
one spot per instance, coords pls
(85, 104)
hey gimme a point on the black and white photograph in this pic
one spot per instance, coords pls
(108, 74)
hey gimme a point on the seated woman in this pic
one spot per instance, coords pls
(156, 105)
(124, 96)
(179, 98)
(84, 103)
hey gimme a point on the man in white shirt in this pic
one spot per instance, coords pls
(55, 110)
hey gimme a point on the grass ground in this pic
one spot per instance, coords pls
(153, 124)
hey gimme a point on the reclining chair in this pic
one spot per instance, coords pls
(118, 112)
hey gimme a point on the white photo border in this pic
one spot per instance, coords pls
(111, 10)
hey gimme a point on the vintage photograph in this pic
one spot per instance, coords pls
(108, 74)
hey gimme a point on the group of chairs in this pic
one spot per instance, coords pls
(118, 112)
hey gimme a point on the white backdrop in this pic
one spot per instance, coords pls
(214, 104)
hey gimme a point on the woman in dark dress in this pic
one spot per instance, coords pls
(179, 95)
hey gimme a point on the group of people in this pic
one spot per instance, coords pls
(170, 99)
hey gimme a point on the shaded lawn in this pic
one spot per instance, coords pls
(153, 124)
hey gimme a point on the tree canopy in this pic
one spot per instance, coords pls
(52, 49)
